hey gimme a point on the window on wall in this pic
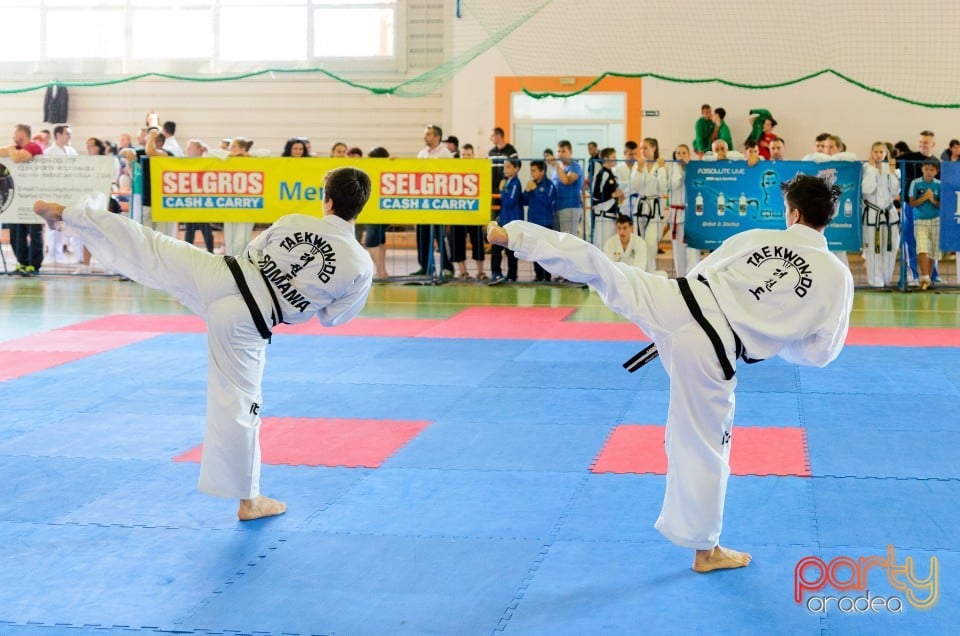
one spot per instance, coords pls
(206, 36)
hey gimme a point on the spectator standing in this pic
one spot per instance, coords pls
(569, 185)
(25, 238)
(511, 209)
(459, 233)
(540, 197)
(427, 235)
(703, 131)
(924, 198)
(376, 235)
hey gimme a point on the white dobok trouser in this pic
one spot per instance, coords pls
(880, 265)
(230, 463)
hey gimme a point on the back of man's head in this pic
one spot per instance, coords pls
(814, 197)
(348, 188)
(169, 128)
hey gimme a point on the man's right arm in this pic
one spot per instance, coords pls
(18, 155)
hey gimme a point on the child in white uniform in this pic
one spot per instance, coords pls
(761, 293)
(300, 267)
(881, 219)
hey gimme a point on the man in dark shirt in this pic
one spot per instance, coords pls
(500, 151)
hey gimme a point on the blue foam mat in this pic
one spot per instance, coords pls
(377, 401)
(935, 620)
(147, 501)
(362, 584)
(452, 503)
(759, 510)
(149, 436)
(44, 489)
(117, 576)
(916, 513)
(498, 445)
(644, 588)
(553, 406)
(866, 452)
(382, 551)
(885, 370)
(570, 375)
(881, 412)
(422, 371)
(452, 348)
(577, 351)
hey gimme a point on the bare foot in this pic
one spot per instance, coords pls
(260, 507)
(720, 558)
(497, 235)
(52, 213)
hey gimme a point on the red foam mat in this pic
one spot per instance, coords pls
(14, 366)
(633, 448)
(353, 443)
(523, 323)
(74, 340)
(904, 337)
(145, 322)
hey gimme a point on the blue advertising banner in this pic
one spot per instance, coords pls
(949, 211)
(727, 197)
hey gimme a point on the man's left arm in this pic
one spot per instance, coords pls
(821, 347)
(348, 306)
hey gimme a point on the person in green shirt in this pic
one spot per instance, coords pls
(703, 130)
(721, 131)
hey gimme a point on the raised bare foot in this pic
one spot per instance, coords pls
(260, 507)
(52, 213)
(720, 558)
(497, 235)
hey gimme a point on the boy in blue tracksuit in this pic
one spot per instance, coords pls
(511, 209)
(540, 197)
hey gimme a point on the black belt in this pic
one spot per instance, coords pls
(248, 297)
(694, 307)
(650, 352)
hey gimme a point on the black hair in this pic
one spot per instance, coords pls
(624, 218)
(169, 128)
(813, 197)
(539, 163)
(721, 112)
(293, 141)
(349, 189)
(378, 153)
(516, 163)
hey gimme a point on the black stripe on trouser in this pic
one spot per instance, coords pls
(248, 297)
(695, 311)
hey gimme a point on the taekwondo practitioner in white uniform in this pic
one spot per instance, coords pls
(301, 266)
(761, 293)
(881, 219)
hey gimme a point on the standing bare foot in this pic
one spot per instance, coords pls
(260, 507)
(720, 558)
(52, 213)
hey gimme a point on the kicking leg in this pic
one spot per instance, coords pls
(193, 276)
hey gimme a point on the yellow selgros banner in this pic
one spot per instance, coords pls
(261, 190)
